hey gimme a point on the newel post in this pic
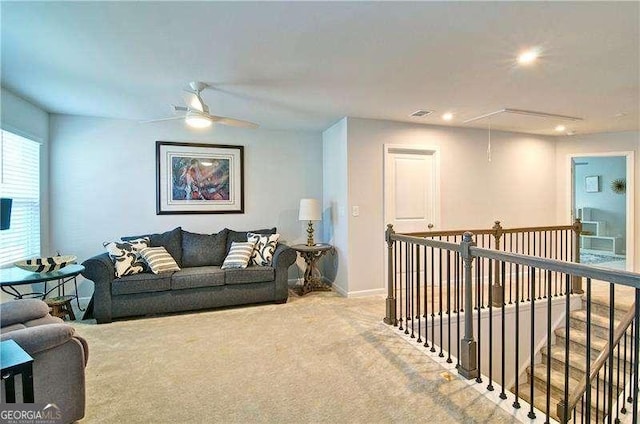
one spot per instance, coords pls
(496, 295)
(576, 282)
(390, 317)
(468, 346)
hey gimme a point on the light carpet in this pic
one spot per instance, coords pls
(318, 358)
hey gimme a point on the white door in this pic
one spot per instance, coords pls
(411, 188)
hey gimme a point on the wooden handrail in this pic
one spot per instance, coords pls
(574, 398)
(495, 230)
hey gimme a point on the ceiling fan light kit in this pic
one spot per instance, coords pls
(197, 112)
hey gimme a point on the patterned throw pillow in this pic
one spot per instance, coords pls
(126, 256)
(265, 246)
(159, 260)
(239, 255)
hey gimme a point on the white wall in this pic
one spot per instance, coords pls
(28, 120)
(590, 144)
(517, 187)
(103, 181)
(335, 198)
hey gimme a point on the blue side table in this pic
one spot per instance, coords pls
(14, 360)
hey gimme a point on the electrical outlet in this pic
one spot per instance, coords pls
(355, 210)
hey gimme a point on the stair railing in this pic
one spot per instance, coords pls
(582, 392)
(434, 296)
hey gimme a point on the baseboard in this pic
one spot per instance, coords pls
(365, 293)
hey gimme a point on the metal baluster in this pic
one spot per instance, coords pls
(433, 308)
(588, 352)
(426, 298)
(548, 392)
(441, 354)
(418, 317)
(449, 305)
(527, 274)
(503, 349)
(516, 403)
(510, 272)
(618, 381)
(490, 386)
(631, 361)
(612, 303)
(411, 280)
(481, 266)
(567, 323)
(400, 284)
(458, 278)
(532, 414)
(396, 283)
(636, 363)
(598, 397)
(624, 375)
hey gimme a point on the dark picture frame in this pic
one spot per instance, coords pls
(199, 178)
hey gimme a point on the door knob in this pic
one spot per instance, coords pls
(430, 226)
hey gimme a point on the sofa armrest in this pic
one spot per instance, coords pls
(284, 256)
(101, 271)
(40, 338)
(22, 310)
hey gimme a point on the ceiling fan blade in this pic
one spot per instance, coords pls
(233, 122)
(162, 119)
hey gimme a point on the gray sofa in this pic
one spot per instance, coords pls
(59, 356)
(200, 283)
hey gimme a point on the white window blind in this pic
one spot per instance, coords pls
(20, 181)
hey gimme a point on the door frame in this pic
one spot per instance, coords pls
(630, 224)
(408, 148)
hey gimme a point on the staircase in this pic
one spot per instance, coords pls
(577, 360)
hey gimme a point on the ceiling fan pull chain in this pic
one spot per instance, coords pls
(489, 144)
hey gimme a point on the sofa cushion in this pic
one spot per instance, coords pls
(125, 256)
(202, 276)
(159, 260)
(203, 249)
(265, 246)
(239, 255)
(241, 236)
(252, 274)
(141, 283)
(170, 240)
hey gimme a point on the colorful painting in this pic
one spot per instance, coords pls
(199, 178)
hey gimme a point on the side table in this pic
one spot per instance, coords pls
(14, 360)
(311, 255)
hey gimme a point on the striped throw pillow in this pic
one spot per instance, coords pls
(239, 255)
(159, 260)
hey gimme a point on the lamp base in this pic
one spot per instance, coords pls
(310, 241)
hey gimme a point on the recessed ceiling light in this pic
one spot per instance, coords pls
(527, 57)
(447, 116)
(561, 128)
(421, 113)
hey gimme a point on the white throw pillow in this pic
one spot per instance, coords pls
(239, 255)
(125, 256)
(159, 260)
(265, 246)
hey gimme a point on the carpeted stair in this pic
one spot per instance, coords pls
(577, 359)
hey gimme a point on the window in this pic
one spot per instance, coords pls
(20, 181)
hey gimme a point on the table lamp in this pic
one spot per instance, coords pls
(310, 211)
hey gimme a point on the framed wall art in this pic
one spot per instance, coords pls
(199, 178)
(592, 184)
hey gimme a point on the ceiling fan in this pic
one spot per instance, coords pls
(197, 112)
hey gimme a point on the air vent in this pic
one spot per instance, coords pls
(421, 113)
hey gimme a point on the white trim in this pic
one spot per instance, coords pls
(365, 293)
(342, 292)
(21, 133)
(630, 210)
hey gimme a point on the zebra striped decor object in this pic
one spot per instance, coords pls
(159, 260)
(239, 255)
(48, 264)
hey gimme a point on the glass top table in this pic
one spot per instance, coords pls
(14, 276)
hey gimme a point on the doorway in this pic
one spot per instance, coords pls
(602, 199)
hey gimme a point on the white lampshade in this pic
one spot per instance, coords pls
(310, 210)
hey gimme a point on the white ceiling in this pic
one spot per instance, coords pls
(304, 65)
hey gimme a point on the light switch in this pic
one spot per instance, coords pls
(355, 210)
